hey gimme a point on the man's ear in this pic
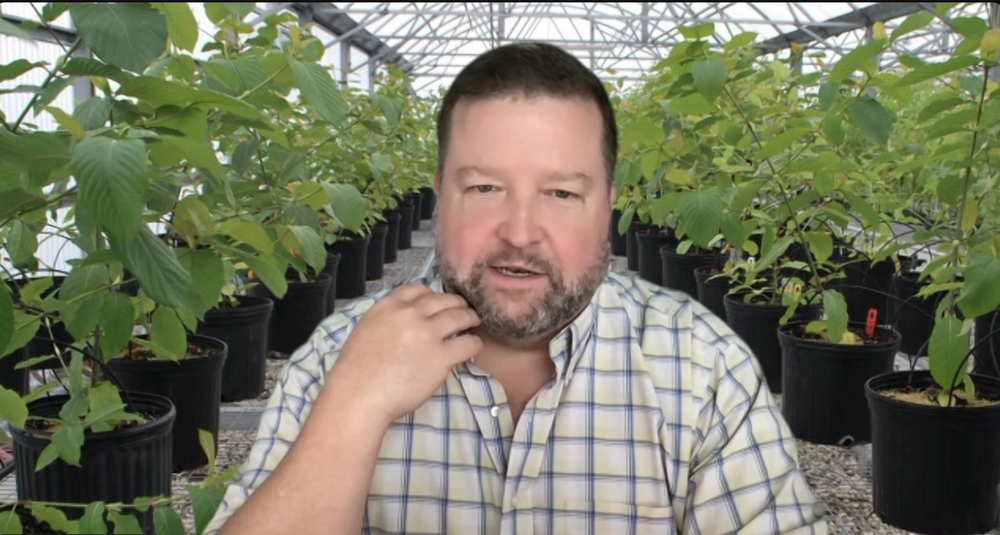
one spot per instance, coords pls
(613, 195)
(437, 182)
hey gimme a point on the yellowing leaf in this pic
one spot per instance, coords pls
(680, 176)
(67, 121)
(989, 44)
(970, 213)
(878, 30)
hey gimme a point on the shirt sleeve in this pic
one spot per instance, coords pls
(745, 476)
(290, 403)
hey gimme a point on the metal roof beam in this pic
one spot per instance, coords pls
(855, 20)
(336, 21)
(56, 36)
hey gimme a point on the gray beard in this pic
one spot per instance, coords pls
(560, 305)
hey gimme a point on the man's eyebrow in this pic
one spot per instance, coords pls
(474, 170)
(572, 176)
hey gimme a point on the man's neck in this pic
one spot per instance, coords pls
(522, 369)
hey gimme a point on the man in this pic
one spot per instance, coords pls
(526, 389)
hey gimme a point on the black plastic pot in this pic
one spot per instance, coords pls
(296, 315)
(428, 201)
(678, 269)
(823, 384)
(650, 261)
(617, 240)
(244, 331)
(375, 252)
(115, 466)
(632, 243)
(353, 270)
(712, 292)
(936, 470)
(332, 268)
(193, 385)
(392, 217)
(405, 209)
(913, 316)
(417, 200)
(987, 344)
(757, 324)
(876, 277)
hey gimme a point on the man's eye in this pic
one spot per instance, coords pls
(484, 189)
(563, 194)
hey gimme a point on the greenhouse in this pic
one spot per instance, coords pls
(779, 313)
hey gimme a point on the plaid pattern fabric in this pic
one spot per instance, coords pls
(658, 421)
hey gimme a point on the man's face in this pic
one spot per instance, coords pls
(523, 212)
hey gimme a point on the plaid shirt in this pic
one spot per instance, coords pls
(657, 421)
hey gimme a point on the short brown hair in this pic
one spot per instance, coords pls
(529, 69)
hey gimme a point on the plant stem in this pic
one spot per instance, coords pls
(965, 188)
(48, 80)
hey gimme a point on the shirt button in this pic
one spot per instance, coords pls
(494, 411)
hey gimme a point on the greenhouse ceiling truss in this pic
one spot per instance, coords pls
(434, 41)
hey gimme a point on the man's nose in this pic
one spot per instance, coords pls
(521, 222)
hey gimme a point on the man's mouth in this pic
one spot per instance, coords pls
(516, 271)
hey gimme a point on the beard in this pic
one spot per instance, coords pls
(561, 303)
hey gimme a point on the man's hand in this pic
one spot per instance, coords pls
(402, 350)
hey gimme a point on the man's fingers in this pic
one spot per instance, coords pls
(411, 292)
(462, 348)
(452, 321)
(431, 304)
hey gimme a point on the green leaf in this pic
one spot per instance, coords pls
(93, 112)
(938, 106)
(347, 203)
(93, 519)
(12, 408)
(733, 229)
(83, 319)
(124, 523)
(981, 291)
(216, 11)
(626, 220)
(208, 273)
(117, 320)
(167, 334)
(388, 108)
(319, 90)
(10, 523)
(740, 40)
(66, 121)
(265, 269)
(702, 212)
(872, 118)
(55, 518)
(970, 26)
(205, 502)
(39, 153)
(649, 163)
(16, 68)
(644, 132)
(112, 179)
(240, 9)
(693, 104)
(68, 440)
(828, 94)
(933, 70)
(6, 317)
(167, 522)
(912, 23)
(710, 77)
(245, 154)
(311, 246)
(182, 27)
(833, 129)
(820, 245)
(125, 35)
(770, 254)
(781, 142)
(81, 66)
(53, 10)
(7, 28)
(854, 59)
(952, 122)
(248, 232)
(946, 352)
(207, 442)
(239, 75)
(698, 31)
(156, 267)
(196, 152)
(25, 328)
(836, 315)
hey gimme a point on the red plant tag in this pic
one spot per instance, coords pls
(870, 323)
